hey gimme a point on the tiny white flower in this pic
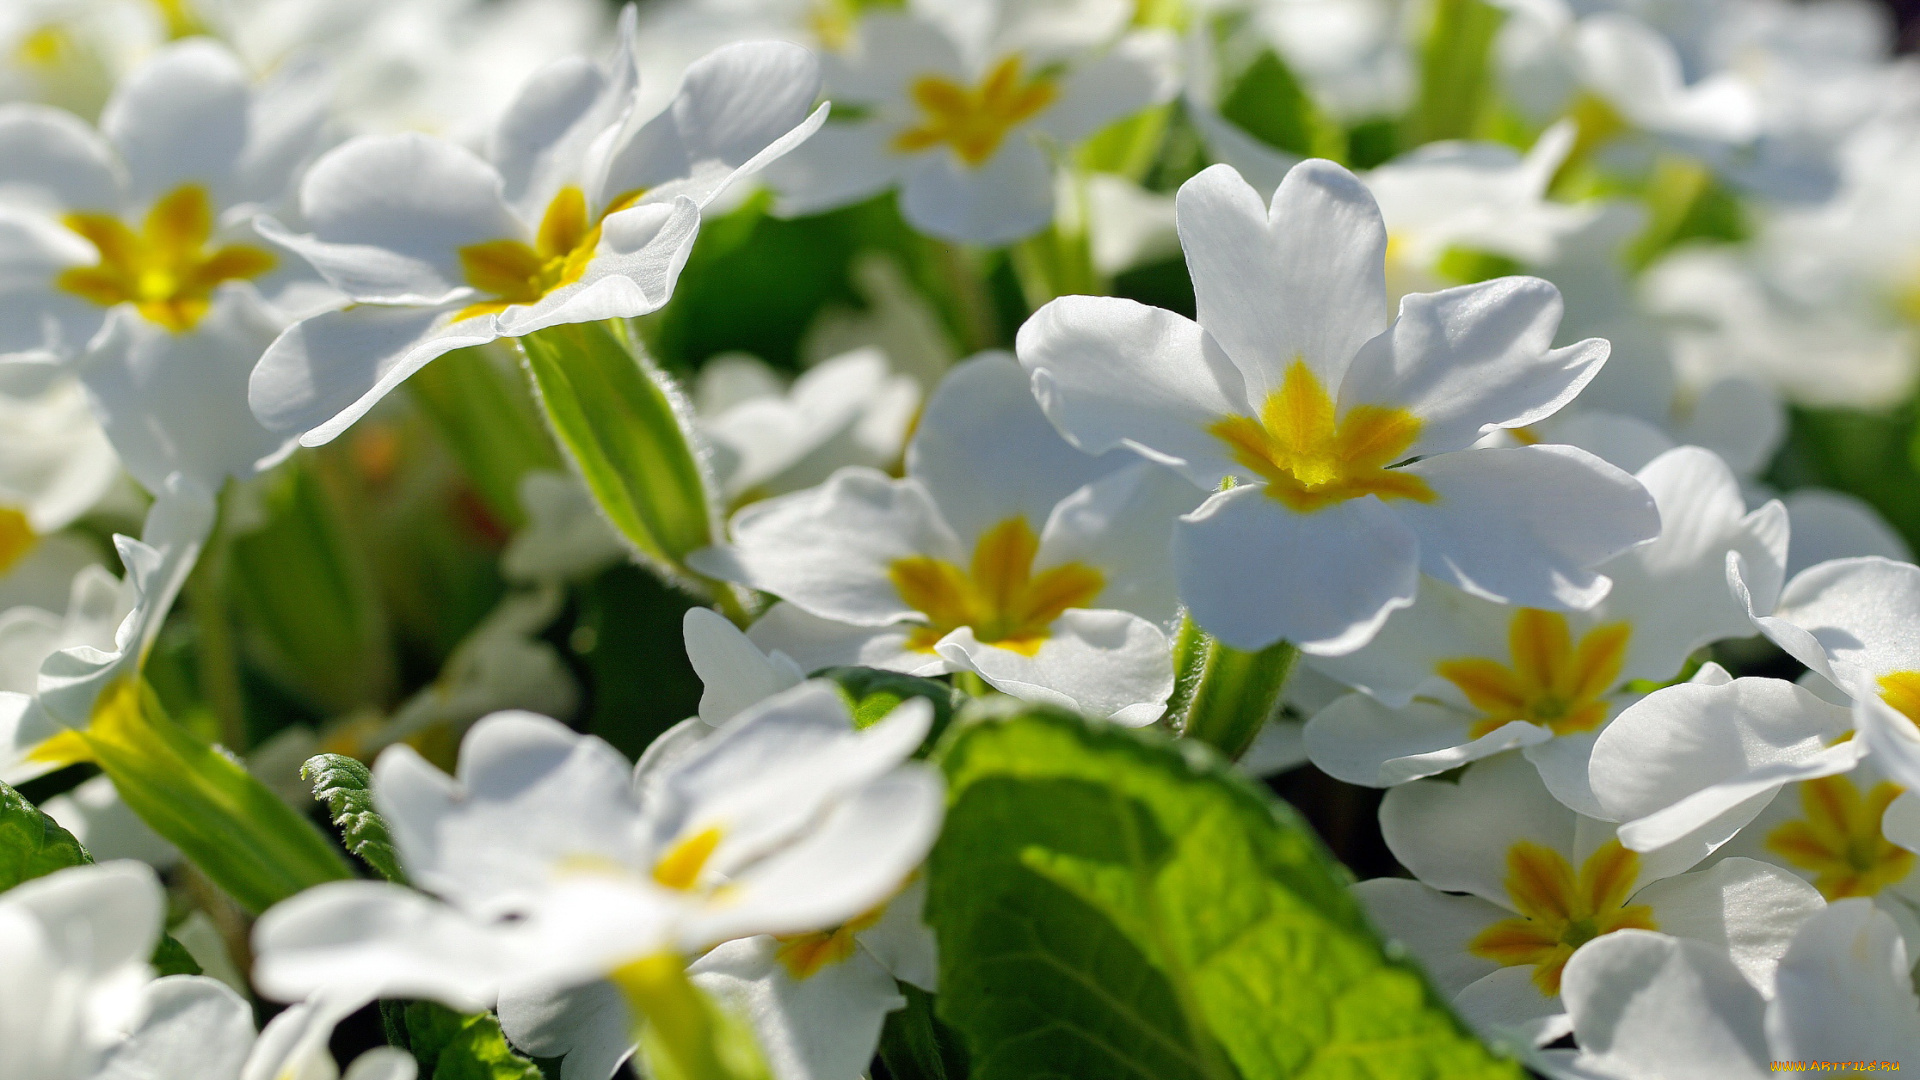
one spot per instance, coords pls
(1004, 551)
(960, 105)
(1295, 383)
(1542, 882)
(584, 211)
(1455, 677)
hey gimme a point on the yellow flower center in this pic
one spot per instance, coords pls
(17, 537)
(1002, 599)
(1838, 838)
(181, 20)
(45, 46)
(1561, 911)
(680, 867)
(511, 272)
(1311, 458)
(1551, 681)
(803, 955)
(974, 121)
(166, 270)
(1901, 691)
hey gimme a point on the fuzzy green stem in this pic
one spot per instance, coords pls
(1236, 693)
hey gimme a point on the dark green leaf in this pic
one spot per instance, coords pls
(454, 1046)
(1110, 903)
(31, 843)
(916, 1046)
(172, 958)
(345, 785)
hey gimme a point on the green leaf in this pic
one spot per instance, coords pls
(872, 694)
(1456, 78)
(623, 423)
(916, 1046)
(454, 1046)
(172, 958)
(345, 785)
(1269, 103)
(31, 843)
(490, 425)
(200, 798)
(1110, 903)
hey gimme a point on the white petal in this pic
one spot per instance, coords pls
(1565, 763)
(1108, 664)
(845, 162)
(1112, 372)
(1691, 755)
(1443, 623)
(323, 374)
(633, 272)
(1750, 910)
(828, 550)
(1646, 1004)
(1122, 524)
(1893, 737)
(814, 643)
(1434, 926)
(1254, 572)
(194, 1026)
(1006, 198)
(823, 1027)
(50, 159)
(102, 917)
(541, 141)
(1864, 612)
(1304, 280)
(1473, 360)
(1742, 420)
(181, 118)
(732, 671)
(1834, 525)
(588, 1024)
(1137, 72)
(1503, 1002)
(1361, 741)
(1526, 525)
(986, 452)
(1455, 836)
(294, 1044)
(902, 942)
(1844, 990)
(41, 327)
(390, 213)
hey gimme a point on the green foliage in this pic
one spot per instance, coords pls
(1269, 103)
(454, 1046)
(629, 623)
(915, 1045)
(872, 694)
(488, 423)
(172, 958)
(1875, 456)
(1456, 78)
(345, 785)
(1112, 904)
(619, 419)
(203, 801)
(31, 843)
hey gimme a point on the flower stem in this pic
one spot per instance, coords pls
(1236, 693)
(971, 684)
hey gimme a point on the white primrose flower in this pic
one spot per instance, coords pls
(1348, 435)
(55, 465)
(37, 730)
(1004, 551)
(1855, 623)
(770, 440)
(962, 106)
(549, 867)
(1646, 1004)
(97, 602)
(1542, 882)
(128, 255)
(1455, 678)
(584, 211)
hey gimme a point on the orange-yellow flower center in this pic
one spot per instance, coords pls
(1312, 458)
(803, 955)
(1901, 691)
(166, 270)
(17, 537)
(512, 272)
(1001, 597)
(974, 121)
(1550, 681)
(1560, 910)
(680, 867)
(1838, 838)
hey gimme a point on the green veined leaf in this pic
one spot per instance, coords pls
(31, 843)
(345, 785)
(916, 1046)
(454, 1046)
(1112, 904)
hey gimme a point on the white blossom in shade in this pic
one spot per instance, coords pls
(1004, 551)
(1831, 525)
(1295, 383)
(769, 439)
(97, 602)
(1855, 623)
(545, 863)
(1541, 883)
(35, 729)
(1455, 677)
(566, 537)
(963, 107)
(128, 255)
(734, 673)
(584, 210)
(1648, 1004)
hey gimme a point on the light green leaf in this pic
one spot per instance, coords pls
(1113, 904)
(1235, 694)
(31, 843)
(455, 1046)
(620, 420)
(872, 693)
(1456, 78)
(1269, 103)
(490, 425)
(345, 785)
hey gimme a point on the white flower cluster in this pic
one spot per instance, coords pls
(1516, 357)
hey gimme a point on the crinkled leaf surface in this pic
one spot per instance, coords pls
(1113, 904)
(344, 784)
(456, 1046)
